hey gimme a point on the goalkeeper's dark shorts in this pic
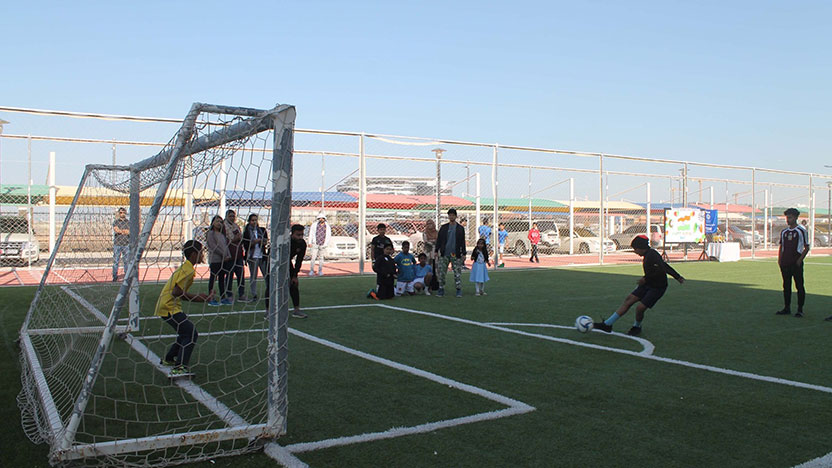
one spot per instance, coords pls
(648, 296)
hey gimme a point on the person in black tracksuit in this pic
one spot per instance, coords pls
(794, 246)
(385, 268)
(297, 250)
(651, 286)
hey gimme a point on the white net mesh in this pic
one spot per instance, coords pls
(94, 387)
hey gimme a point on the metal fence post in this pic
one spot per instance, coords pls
(601, 209)
(362, 204)
(495, 233)
(753, 210)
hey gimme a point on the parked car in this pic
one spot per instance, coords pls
(745, 238)
(623, 239)
(584, 241)
(397, 240)
(342, 247)
(17, 245)
(518, 241)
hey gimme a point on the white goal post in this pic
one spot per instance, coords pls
(94, 385)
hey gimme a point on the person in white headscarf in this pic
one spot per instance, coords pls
(319, 235)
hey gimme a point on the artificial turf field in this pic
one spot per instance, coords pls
(592, 406)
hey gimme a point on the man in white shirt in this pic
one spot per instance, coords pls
(319, 235)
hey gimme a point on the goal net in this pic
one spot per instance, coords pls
(94, 385)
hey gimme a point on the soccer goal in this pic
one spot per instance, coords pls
(94, 387)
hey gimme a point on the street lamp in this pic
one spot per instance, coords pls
(438, 152)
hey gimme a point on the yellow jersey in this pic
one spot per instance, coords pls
(168, 305)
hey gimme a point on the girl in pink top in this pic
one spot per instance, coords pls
(534, 238)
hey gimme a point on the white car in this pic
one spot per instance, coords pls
(341, 247)
(16, 244)
(584, 241)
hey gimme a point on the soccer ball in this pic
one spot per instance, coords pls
(583, 323)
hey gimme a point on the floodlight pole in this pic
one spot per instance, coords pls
(438, 152)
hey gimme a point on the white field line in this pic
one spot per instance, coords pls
(514, 407)
(87, 305)
(55, 272)
(719, 370)
(820, 462)
(209, 401)
(283, 456)
(14, 271)
(257, 311)
(647, 347)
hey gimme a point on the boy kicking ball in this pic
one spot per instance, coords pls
(169, 309)
(651, 286)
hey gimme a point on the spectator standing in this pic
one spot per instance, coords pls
(450, 245)
(479, 270)
(485, 232)
(378, 242)
(219, 260)
(534, 239)
(256, 245)
(429, 239)
(794, 246)
(502, 235)
(121, 241)
(235, 246)
(319, 235)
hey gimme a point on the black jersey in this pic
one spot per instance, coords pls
(792, 243)
(656, 270)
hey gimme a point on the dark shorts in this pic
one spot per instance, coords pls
(648, 296)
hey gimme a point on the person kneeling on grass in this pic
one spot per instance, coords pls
(169, 308)
(650, 288)
(424, 273)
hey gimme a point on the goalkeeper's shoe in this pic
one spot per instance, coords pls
(179, 370)
(602, 326)
(634, 331)
(167, 363)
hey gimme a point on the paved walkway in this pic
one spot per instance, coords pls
(26, 276)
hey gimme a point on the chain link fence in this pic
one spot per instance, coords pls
(587, 207)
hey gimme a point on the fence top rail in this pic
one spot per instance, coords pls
(215, 108)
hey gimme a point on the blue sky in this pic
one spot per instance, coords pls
(739, 82)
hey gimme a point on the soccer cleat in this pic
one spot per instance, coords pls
(783, 312)
(799, 314)
(458, 293)
(634, 331)
(179, 370)
(477, 293)
(373, 295)
(243, 299)
(298, 314)
(167, 363)
(484, 293)
(227, 301)
(370, 294)
(602, 326)
(214, 303)
(427, 292)
(441, 292)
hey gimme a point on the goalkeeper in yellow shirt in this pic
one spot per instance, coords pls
(169, 308)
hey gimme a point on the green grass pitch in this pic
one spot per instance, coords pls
(592, 406)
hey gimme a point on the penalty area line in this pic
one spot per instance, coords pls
(515, 407)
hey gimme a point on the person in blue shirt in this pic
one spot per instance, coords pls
(485, 232)
(502, 235)
(424, 273)
(406, 271)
